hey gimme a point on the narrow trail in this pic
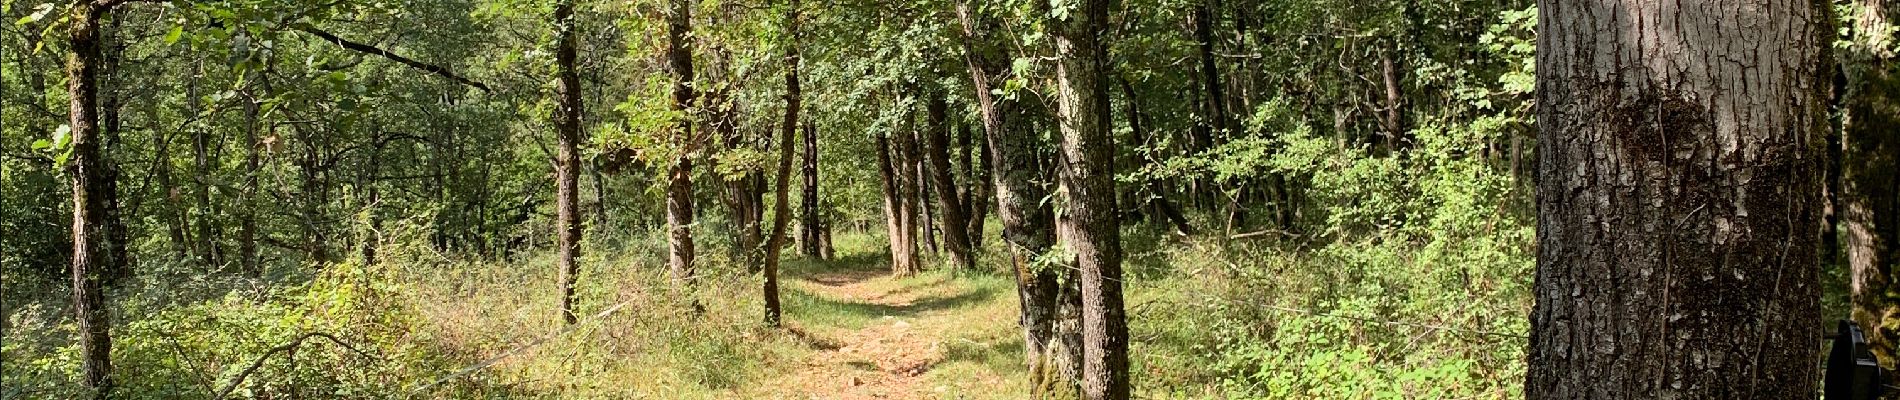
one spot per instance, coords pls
(894, 334)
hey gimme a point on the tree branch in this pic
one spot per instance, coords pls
(286, 347)
(368, 49)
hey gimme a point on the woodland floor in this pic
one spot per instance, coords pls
(926, 337)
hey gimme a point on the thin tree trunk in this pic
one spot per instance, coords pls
(679, 192)
(1090, 222)
(1213, 93)
(809, 227)
(1678, 199)
(903, 250)
(956, 238)
(1136, 121)
(920, 178)
(247, 210)
(567, 125)
(978, 189)
(1394, 100)
(782, 193)
(903, 149)
(90, 169)
(1870, 180)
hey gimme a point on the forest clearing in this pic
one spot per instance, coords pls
(949, 199)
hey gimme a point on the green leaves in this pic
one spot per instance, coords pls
(39, 12)
(177, 32)
(60, 145)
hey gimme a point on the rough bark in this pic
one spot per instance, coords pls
(679, 188)
(1870, 179)
(1051, 353)
(88, 165)
(956, 233)
(1394, 100)
(903, 249)
(567, 163)
(781, 196)
(811, 221)
(1678, 199)
(247, 212)
(1090, 223)
(903, 156)
(976, 195)
(925, 188)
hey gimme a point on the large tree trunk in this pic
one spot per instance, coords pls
(93, 192)
(781, 195)
(1090, 224)
(956, 238)
(679, 188)
(1678, 199)
(1050, 345)
(1870, 180)
(567, 125)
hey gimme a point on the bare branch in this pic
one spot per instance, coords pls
(286, 347)
(368, 49)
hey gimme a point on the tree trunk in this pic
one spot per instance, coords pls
(1678, 203)
(247, 211)
(679, 191)
(567, 125)
(903, 250)
(1213, 95)
(956, 234)
(1028, 230)
(920, 178)
(90, 169)
(903, 153)
(810, 225)
(1870, 180)
(782, 192)
(1090, 224)
(1394, 126)
(976, 195)
(1159, 197)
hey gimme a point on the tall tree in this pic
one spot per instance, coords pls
(679, 188)
(567, 163)
(794, 95)
(909, 213)
(976, 194)
(955, 226)
(1090, 223)
(903, 249)
(1870, 176)
(94, 194)
(1678, 199)
(1052, 353)
(810, 227)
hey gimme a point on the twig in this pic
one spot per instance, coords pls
(373, 50)
(286, 347)
(518, 349)
(1396, 323)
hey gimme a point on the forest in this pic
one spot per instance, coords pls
(949, 199)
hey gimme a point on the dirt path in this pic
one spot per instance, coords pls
(896, 337)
